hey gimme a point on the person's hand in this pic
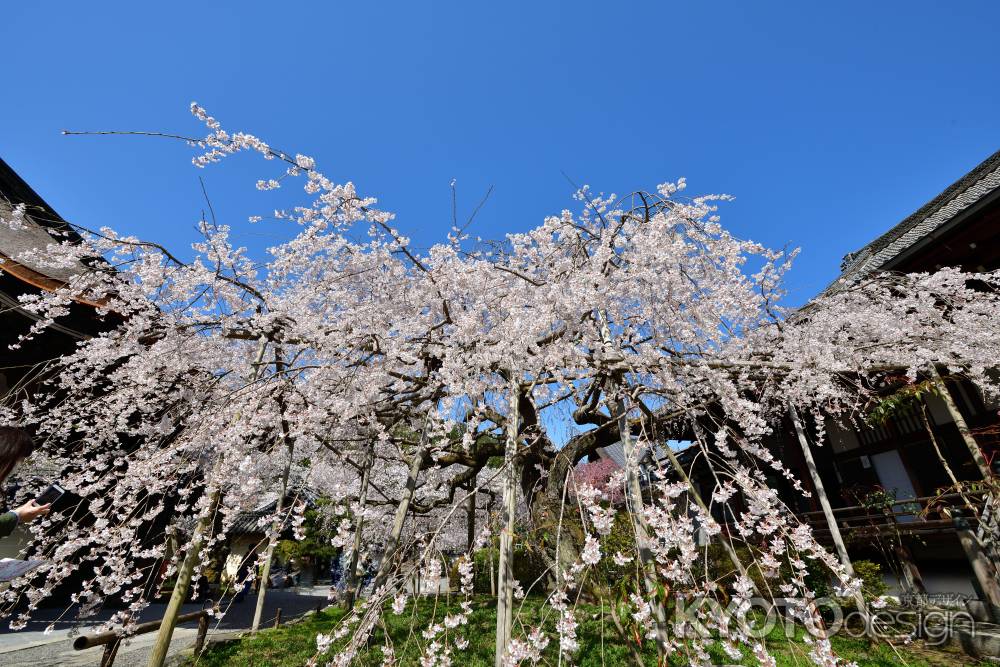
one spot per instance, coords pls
(30, 511)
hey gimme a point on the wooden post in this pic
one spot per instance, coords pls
(110, 652)
(988, 522)
(989, 527)
(505, 589)
(695, 494)
(277, 619)
(911, 575)
(199, 641)
(982, 568)
(493, 571)
(937, 448)
(493, 574)
(633, 492)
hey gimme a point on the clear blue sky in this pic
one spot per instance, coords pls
(829, 122)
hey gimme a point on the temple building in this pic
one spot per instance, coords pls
(20, 368)
(893, 468)
(23, 364)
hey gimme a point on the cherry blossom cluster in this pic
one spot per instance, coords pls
(347, 365)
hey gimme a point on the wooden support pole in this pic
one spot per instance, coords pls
(963, 426)
(277, 619)
(193, 555)
(982, 567)
(493, 574)
(84, 642)
(695, 494)
(988, 523)
(110, 652)
(824, 502)
(351, 584)
(505, 588)
(403, 508)
(489, 546)
(275, 534)
(199, 641)
(470, 517)
(633, 493)
(183, 584)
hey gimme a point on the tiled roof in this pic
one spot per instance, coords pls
(247, 522)
(651, 456)
(957, 197)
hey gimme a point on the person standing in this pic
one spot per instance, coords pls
(15, 446)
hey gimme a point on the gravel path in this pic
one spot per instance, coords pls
(33, 648)
(60, 652)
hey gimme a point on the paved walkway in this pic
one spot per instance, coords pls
(32, 647)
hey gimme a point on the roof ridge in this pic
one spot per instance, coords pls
(862, 258)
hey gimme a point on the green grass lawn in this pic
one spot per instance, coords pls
(293, 645)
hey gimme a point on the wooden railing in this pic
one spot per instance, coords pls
(112, 640)
(913, 516)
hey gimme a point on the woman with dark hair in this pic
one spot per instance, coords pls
(15, 446)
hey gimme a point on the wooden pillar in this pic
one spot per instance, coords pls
(199, 642)
(824, 502)
(633, 496)
(493, 571)
(695, 493)
(201, 534)
(911, 575)
(110, 653)
(988, 522)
